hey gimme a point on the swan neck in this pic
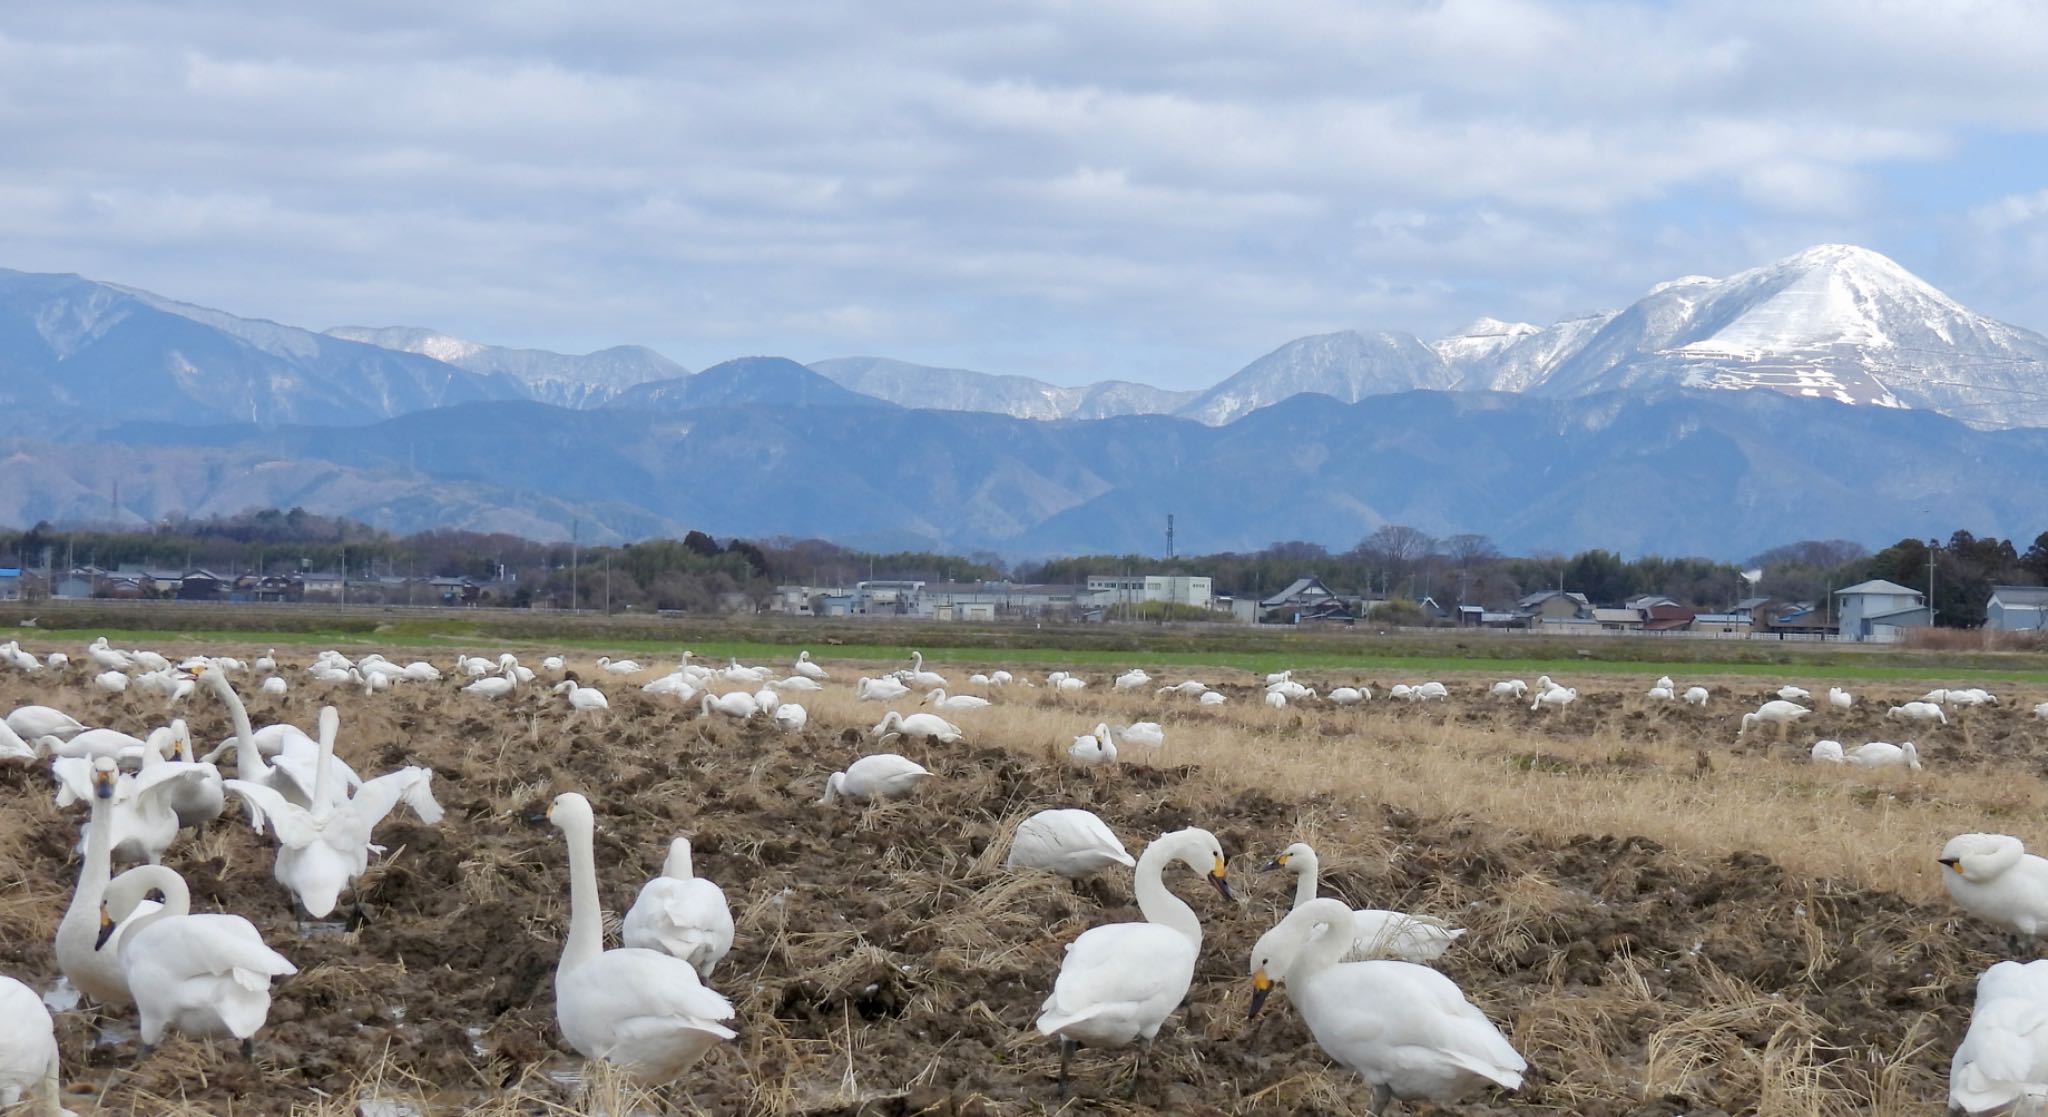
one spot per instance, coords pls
(1306, 870)
(177, 897)
(323, 778)
(99, 863)
(678, 864)
(1320, 952)
(586, 931)
(1156, 901)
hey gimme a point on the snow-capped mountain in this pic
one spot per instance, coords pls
(563, 379)
(1020, 397)
(1348, 365)
(76, 351)
(1834, 322)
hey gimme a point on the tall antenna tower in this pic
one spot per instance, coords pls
(1169, 535)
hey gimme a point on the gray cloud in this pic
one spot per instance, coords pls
(1151, 189)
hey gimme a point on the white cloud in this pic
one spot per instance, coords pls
(1162, 187)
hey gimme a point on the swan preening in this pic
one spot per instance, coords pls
(929, 727)
(1120, 981)
(2002, 1064)
(1374, 933)
(641, 1010)
(680, 914)
(1406, 1029)
(202, 975)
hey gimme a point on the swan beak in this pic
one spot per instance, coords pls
(103, 784)
(1953, 863)
(1279, 862)
(106, 929)
(1262, 987)
(1221, 882)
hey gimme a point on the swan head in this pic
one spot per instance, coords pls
(833, 785)
(570, 812)
(1277, 949)
(1300, 857)
(1979, 858)
(103, 776)
(1199, 850)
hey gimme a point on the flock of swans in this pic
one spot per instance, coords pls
(1362, 980)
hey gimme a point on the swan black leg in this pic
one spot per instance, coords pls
(1066, 1056)
(249, 1049)
(1382, 1096)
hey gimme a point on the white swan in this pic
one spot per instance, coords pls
(35, 722)
(884, 689)
(1840, 699)
(640, 1010)
(791, 718)
(1556, 698)
(1918, 711)
(1063, 683)
(2041, 711)
(267, 661)
(1659, 694)
(620, 666)
(1214, 698)
(1993, 877)
(28, 1050)
(1778, 712)
(299, 764)
(1402, 691)
(800, 684)
(807, 669)
(107, 658)
(113, 682)
(675, 683)
(323, 849)
(1279, 677)
(1509, 688)
(274, 686)
(97, 742)
(999, 678)
(1070, 842)
(2002, 1064)
(1146, 733)
(1374, 933)
(12, 747)
(680, 914)
(884, 775)
(1406, 1029)
(766, 700)
(493, 686)
(1665, 682)
(1294, 692)
(1792, 693)
(1828, 752)
(930, 727)
(196, 801)
(1431, 691)
(583, 697)
(939, 698)
(1348, 695)
(1132, 679)
(1092, 750)
(203, 975)
(1881, 754)
(1274, 699)
(141, 820)
(738, 705)
(93, 972)
(553, 664)
(57, 661)
(917, 676)
(1696, 696)
(1119, 982)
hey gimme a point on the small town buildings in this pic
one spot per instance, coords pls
(2017, 609)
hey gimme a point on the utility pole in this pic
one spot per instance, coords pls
(1169, 535)
(344, 573)
(1932, 545)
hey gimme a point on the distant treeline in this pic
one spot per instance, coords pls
(699, 573)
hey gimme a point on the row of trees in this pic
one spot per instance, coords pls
(699, 573)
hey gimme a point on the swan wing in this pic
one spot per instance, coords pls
(2004, 1052)
(1119, 968)
(293, 824)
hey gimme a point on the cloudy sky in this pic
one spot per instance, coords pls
(1156, 190)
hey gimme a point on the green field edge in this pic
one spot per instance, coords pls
(1257, 662)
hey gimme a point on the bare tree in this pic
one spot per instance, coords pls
(1466, 550)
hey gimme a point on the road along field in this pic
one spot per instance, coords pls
(1661, 917)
